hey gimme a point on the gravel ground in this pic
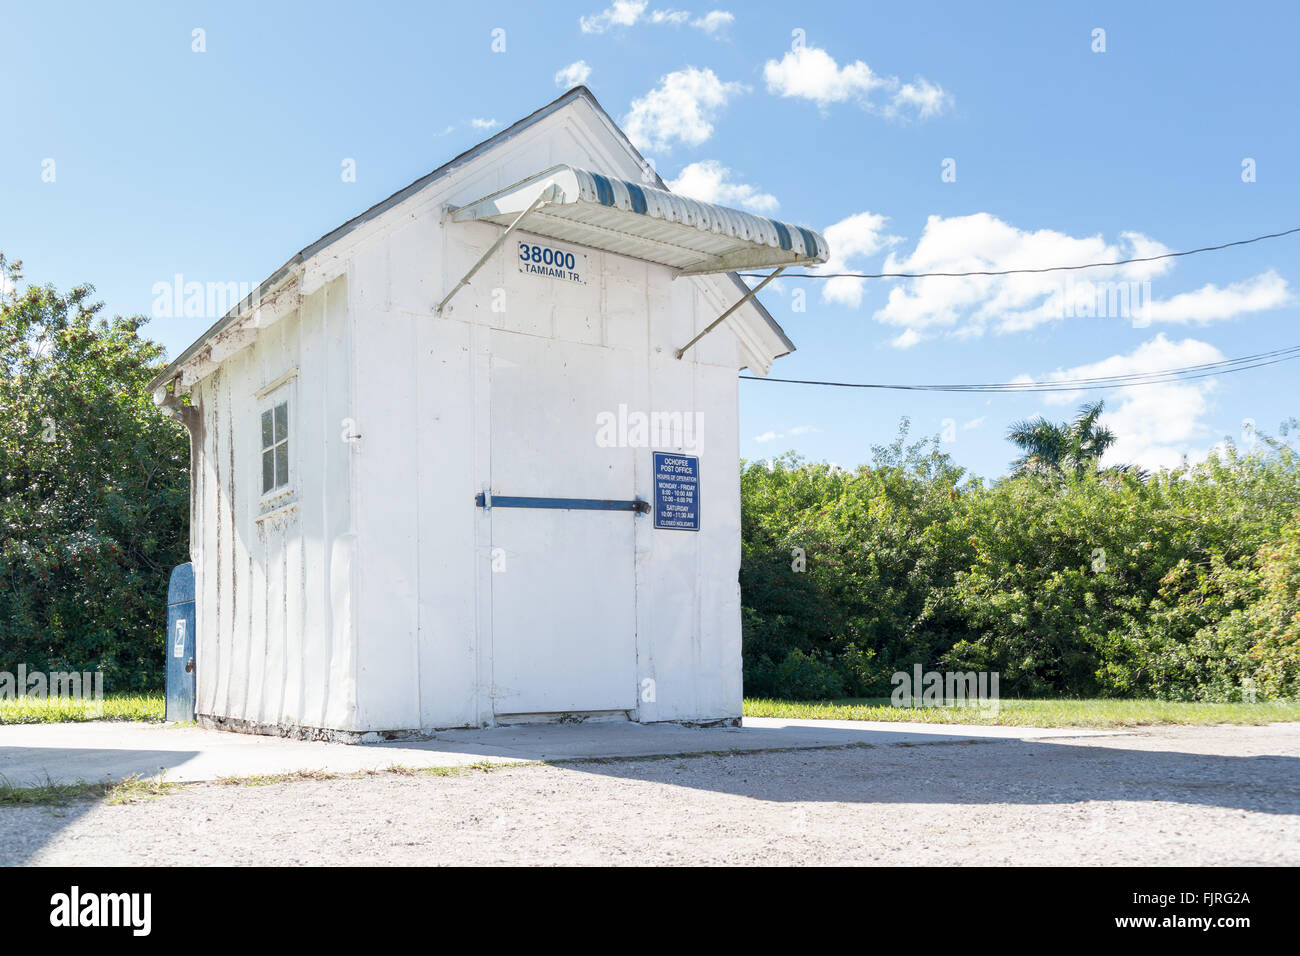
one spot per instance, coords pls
(1182, 796)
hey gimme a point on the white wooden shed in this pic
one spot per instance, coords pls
(418, 504)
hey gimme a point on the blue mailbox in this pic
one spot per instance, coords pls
(180, 643)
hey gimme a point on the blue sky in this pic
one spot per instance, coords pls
(221, 164)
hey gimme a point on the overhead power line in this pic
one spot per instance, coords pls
(1010, 272)
(1155, 377)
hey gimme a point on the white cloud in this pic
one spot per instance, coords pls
(681, 108)
(1154, 425)
(623, 13)
(811, 73)
(907, 338)
(851, 240)
(924, 98)
(973, 423)
(1268, 290)
(575, 74)
(483, 123)
(797, 430)
(968, 306)
(627, 13)
(713, 21)
(708, 181)
(982, 242)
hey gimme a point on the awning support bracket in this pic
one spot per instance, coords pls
(739, 302)
(550, 194)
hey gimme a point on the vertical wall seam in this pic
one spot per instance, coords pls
(327, 537)
(417, 354)
(354, 570)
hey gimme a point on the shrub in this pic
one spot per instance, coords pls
(1183, 584)
(94, 491)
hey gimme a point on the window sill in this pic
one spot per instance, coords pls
(277, 509)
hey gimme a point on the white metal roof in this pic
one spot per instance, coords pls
(644, 222)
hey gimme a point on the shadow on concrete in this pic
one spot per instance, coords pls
(977, 772)
(620, 738)
(26, 829)
(33, 766)
(829, 763)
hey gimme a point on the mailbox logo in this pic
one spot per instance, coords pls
(179, 649)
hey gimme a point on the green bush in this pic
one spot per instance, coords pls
(1269, 625)
(94, 491)
(803, 677)
(1079, 581)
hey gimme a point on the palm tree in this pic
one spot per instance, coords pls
(1064, 447)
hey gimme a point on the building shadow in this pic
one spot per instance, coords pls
(980, 772)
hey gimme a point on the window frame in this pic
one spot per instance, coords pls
(268, 401)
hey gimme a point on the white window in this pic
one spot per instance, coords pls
(275, 447)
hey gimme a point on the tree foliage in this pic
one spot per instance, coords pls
(1062, 448)
(93, 488)
(1065, 580)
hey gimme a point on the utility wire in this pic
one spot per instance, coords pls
(1181, 374)
(1009, 272)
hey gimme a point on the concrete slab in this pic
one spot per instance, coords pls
(31, 754)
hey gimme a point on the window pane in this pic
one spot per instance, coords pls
(267, 440)
(282, 421)
(281, 464)
(268, 470)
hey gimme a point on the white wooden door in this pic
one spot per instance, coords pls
(563, 594)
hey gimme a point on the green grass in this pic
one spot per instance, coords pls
(1019, 713)
(135, 789)
(35, 710)
(1035, 713)
(47, 794)
(132, 789)
(401, 770)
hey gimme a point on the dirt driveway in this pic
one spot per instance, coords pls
(1187, 795)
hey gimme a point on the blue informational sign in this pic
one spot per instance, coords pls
(677, 491)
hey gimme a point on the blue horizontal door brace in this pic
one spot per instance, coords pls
(572, 504)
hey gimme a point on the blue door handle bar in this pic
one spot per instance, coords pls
(572, 504)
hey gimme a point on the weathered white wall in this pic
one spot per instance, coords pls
(275, 626)
(441, 413)
(372, 604)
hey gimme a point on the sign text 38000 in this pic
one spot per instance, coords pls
(535, 259)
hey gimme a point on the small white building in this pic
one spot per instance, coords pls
(422, 504)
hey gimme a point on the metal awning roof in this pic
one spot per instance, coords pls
(644, 222)
(282, 276)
